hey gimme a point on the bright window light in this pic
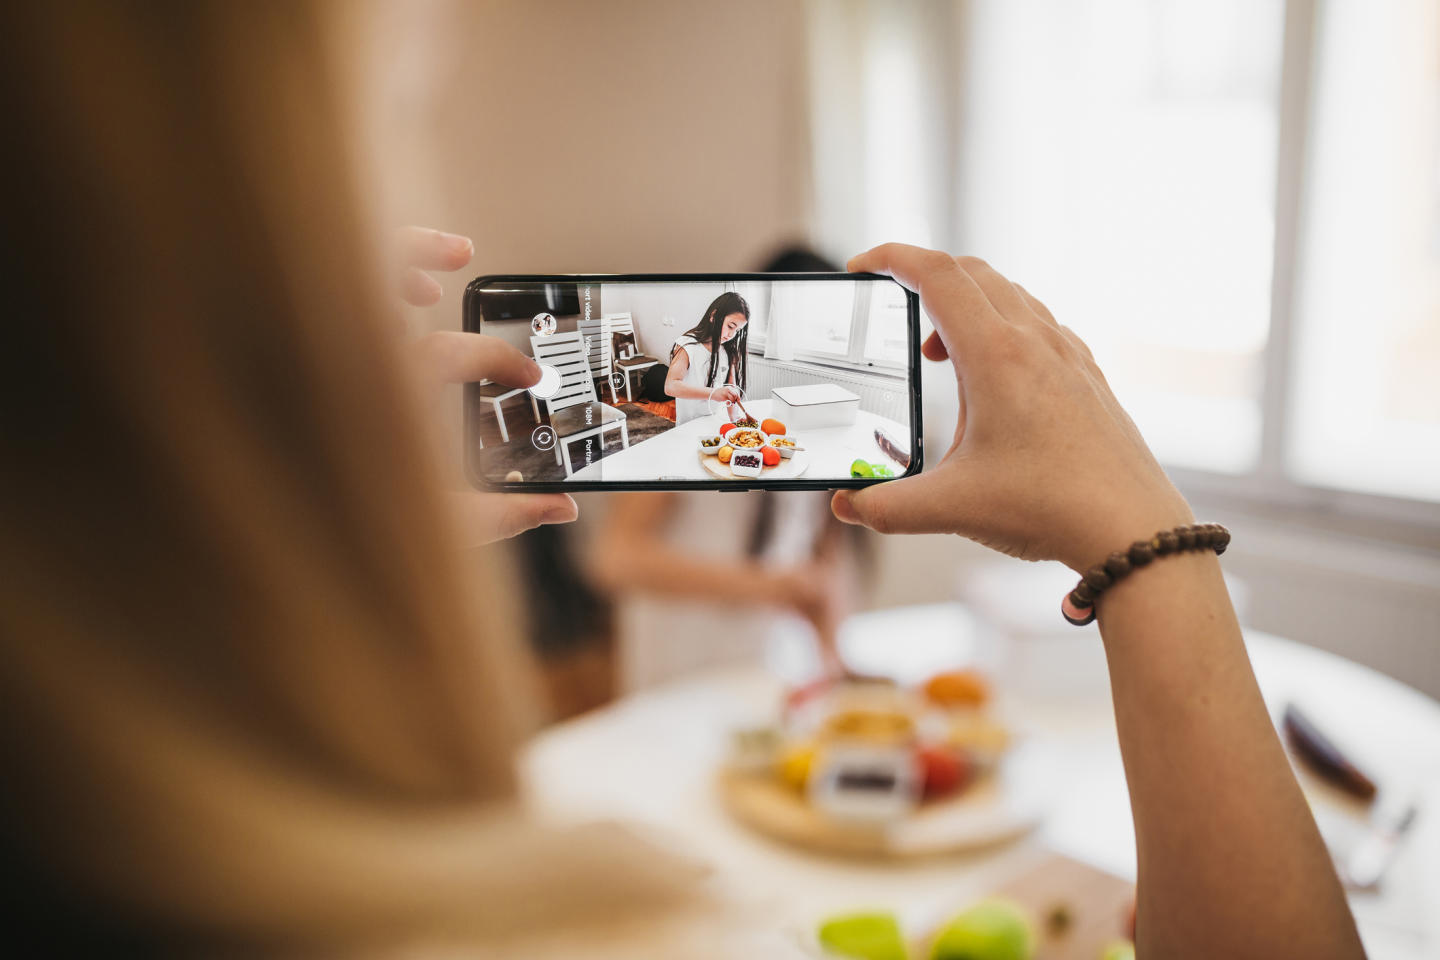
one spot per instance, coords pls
(1118, 158)
(1365, 386)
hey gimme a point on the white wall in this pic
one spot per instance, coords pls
(517, 332)
(660, 313)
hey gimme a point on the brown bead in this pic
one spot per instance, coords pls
(1222, 540)
(1141, 553)
(1082, 595)
(1166, 542)
(1185, 539)
(1117, 565)
(1097, 579)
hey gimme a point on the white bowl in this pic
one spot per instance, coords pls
(711, 448)
(739, 471)
(786, 452)
(731, 434)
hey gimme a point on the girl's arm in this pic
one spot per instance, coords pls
(1047, 466)
(675, 387)
(654, 566)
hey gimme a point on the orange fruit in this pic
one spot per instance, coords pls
(724, 453)
(958, 688)
(770, 456)
(773, 427)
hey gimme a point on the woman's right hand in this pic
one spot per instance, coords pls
(1045, 464)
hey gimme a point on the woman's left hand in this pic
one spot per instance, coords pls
(449, 356)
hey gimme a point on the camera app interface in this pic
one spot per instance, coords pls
(704, 381)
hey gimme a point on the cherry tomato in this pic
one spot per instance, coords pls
(945, 771)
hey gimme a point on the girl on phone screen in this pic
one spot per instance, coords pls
(708, 361)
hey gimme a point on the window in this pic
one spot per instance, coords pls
(887, 329)
(1121, 161)
(1364, 398)
(1235, 202)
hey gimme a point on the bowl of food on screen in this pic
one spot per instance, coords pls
(711, 444)
(745, 438)
(787, 446)
(747, 463)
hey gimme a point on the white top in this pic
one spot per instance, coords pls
(687, 408)
(666, 637)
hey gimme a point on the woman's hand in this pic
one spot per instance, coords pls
(448, 357)
(726, 394)
(1045, 465)
(423, 250)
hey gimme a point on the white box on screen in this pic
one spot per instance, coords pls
(815, 405)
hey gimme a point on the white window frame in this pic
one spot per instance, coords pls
(937, 32)
(1269, 485)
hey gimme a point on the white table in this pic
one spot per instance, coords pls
(651, 759)
(674, 454)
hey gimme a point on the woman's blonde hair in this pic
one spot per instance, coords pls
(245, 698)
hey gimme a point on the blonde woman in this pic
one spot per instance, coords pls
(255, 701)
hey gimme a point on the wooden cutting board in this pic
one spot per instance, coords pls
(784, 470)
(1096, 903)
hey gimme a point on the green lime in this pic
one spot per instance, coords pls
(1119, 950)
(866, 936)
(993, 929)
(860, 469)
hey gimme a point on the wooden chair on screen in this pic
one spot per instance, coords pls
(575, 411)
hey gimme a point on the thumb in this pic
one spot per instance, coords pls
(924, 504)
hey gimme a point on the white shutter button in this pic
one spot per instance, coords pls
(549, 384)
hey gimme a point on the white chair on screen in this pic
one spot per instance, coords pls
(575, 412)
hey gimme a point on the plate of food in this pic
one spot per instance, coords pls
(763, 449)
(875, 769)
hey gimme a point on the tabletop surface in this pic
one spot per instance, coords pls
(673, 455)
(651, 758)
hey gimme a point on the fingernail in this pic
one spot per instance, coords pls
(461, 244)
(560, 513)
(533, 369)
(843, 509)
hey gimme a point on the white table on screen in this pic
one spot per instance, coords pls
(675, 454)
(651, 759)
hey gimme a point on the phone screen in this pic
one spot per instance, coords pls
(732, 381)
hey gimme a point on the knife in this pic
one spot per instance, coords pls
(892, 449)
(1324, 757)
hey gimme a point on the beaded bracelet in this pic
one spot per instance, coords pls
(1078, 607)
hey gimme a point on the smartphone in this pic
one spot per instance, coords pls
(737, 381)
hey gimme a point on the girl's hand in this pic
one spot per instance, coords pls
(726, 394)
(1045, 464)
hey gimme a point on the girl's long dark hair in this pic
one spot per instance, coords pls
(708, 331)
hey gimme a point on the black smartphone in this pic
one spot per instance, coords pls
(736, 381)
